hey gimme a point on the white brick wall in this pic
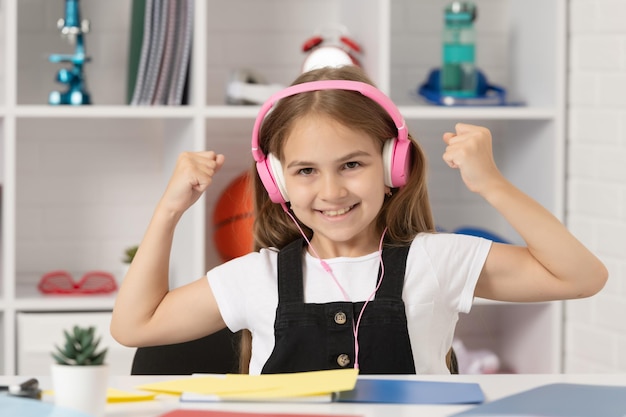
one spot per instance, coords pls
(596, 182)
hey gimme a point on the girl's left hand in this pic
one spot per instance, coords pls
(470, 150)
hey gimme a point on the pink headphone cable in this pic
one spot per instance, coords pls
(327, 268)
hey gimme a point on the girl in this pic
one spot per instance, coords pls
(348, 269)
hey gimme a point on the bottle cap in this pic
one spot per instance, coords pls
(460, 12)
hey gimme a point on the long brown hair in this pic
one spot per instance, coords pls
(405, 213)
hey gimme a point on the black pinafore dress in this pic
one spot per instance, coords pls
(310, 337)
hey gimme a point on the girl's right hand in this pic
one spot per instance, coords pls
(192, 175)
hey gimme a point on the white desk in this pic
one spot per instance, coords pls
(494, 387)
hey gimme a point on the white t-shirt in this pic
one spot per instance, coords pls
(441, 274)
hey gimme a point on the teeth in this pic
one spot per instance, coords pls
(332, 213)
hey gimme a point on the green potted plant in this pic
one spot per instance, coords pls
(129, 254)
(79, 372)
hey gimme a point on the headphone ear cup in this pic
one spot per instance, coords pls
(279, 178)
(271, 175)
(396, 162)
(388, 161)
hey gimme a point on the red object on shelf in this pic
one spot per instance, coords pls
(62, 282)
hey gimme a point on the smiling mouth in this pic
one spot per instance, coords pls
(334, 213)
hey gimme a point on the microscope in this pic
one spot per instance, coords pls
(72, 29)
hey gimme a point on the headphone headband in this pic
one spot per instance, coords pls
(365, 89)
(395, 153)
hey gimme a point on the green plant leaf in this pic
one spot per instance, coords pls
(81, 348)
(97, 342)
(87, 353)
(129, 254)
(87, 338)
(69, 349)
(78, 333)
(99, 358)
(61, 360)
(69, 338)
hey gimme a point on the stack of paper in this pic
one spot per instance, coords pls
(314, 386)
(115, 395)
(339, 385)
(161, 73)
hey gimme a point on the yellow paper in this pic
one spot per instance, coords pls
(293, 384)
(117, 396)
(203, 384)
(231, 386)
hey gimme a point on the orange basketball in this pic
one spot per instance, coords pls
(233, 218)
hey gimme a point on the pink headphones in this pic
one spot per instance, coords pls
(396, 151)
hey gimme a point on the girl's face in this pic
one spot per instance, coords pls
(334, 178)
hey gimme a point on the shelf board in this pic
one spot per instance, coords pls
(483, 113)
(65, 303)
(139, 112)
(147, 112)
(212, 112)
(410, 112)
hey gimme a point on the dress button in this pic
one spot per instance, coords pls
(343, 360)
(340, 318)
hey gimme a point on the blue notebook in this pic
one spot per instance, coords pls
(393, 391)
(558, 400)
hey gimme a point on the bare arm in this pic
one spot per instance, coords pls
(553, 265)
(146, 312)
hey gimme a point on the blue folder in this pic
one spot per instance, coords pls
(557, 400)
(28, 407)
(394, 391)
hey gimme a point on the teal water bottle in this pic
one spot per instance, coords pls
(458, 72)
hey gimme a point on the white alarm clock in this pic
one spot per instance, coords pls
(331, 48)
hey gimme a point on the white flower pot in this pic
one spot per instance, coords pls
(82, 388)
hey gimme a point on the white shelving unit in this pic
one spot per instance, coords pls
(79, 184)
